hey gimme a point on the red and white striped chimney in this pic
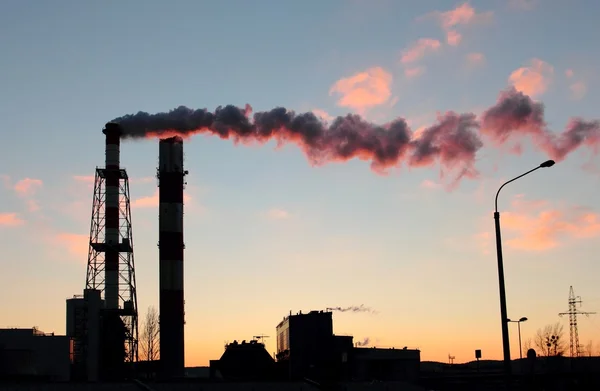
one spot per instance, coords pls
(111, 218)
(171, 182)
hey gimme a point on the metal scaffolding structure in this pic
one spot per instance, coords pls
(99, 248)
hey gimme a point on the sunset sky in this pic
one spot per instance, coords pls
(266, 231)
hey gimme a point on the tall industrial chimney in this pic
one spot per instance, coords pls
(171, 176)
(111, 233)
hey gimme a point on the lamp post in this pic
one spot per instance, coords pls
(518, 322)
(503, 315)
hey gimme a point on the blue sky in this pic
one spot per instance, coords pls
(265, 231)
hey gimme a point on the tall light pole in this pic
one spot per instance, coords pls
(518, 322)
(503, 314)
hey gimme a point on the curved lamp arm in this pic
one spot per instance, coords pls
(548, 163)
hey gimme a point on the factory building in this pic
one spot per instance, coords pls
(308, 348)
(244, 361)
(305, 342)
(83, 327)
(33, 354)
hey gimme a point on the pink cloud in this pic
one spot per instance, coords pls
(140, 180)
(323, 115)
(278, 214)
(453, 37)
(431, 185)
(419, 49)
(364, 89)
(27, 187)
(462, 15)
(32, 205)
(569, 73)
(76, 244)
(533, 79)
(414, 72)
(475, 58)
(153, 201)
(146, 202)
(10, 220)
(578, 90)
(84, 178)
(535, 225)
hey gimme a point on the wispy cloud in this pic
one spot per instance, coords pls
(536, 225)
(475, 59)
(77, 245)
(278, 214)
(84, 178)
(10, 220)
(414, 72)
(323, 115)
(153, 200)
(25, 189)
(419, 49)
(452, 20)
(431, 185)
(534, 79)
(578, 90)
(28, 186)
(453, 38)
(577, 87)
(364, 89)
(569, 73)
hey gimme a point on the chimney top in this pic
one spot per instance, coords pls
(112, 128)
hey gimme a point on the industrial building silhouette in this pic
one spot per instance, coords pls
(307, 349)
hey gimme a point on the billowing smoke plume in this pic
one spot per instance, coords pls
(453, 141)
(354, 308)
(364, 342)
(516, 115)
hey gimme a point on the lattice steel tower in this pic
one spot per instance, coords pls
(110, 267)
(574, 347)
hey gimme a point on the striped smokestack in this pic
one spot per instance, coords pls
(111, 221)
(171, 181)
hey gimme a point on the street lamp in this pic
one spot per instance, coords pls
(518, 322)
(503, 315)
